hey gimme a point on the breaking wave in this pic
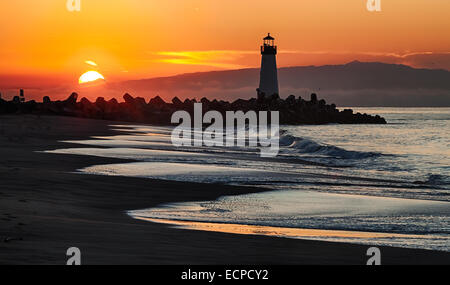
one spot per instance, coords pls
(435, 180)
(303, 145)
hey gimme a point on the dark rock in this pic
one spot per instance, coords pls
(275, 96)
(157, 101)
(239, 104)
(113, 101)
(291, 110)
(140, 101)
(290, 99)
(176, 101)
(100, 100)
(85, 102)
(112, 110)
(72, 100)
(348, 111)
(128, 98)
(100, 103)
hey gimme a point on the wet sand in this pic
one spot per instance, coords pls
(45, 208)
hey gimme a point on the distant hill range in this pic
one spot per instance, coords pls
(353, 84)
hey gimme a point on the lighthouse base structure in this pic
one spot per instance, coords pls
(268, 85)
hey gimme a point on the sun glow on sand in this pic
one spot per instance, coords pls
(90, 76)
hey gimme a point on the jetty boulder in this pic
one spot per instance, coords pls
(157, 101)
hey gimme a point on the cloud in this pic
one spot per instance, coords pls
(223, 59)
(238, 59)
(90, 62)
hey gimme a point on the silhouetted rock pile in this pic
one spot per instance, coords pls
(293, 111)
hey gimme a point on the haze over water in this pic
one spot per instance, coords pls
(391, 179)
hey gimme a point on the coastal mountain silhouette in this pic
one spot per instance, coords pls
(352, 84)
(355, 83)
(353, 75)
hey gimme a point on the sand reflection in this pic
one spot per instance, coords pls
(275, 231)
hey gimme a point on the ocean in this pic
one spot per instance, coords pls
(366, 184)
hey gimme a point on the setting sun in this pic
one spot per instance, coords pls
(90, 76)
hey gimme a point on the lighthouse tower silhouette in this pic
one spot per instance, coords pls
(268, 83)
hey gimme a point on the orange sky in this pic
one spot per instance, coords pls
(131, 39)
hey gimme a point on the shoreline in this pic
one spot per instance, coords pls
(46, 208)
(313, 234)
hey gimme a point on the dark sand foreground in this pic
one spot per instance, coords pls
(45, 208)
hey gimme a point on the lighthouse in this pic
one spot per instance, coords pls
(268, 82)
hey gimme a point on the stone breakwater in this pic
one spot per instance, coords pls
(292, 110)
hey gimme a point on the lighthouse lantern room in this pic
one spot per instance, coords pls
(268, 84)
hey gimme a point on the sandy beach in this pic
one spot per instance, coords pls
(46, 208)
